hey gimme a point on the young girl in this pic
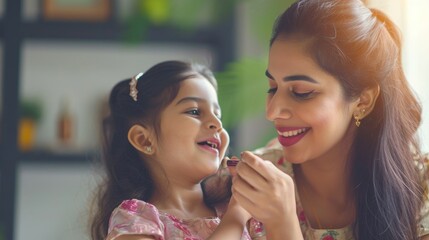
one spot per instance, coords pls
(162, 138)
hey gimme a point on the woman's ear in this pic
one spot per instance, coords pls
(366, 102)
(139, 137)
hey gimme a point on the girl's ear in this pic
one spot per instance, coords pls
(366, 101)
(139, 137)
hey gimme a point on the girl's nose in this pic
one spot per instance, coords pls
(215, 123)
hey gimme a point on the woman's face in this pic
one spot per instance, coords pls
(306, 105)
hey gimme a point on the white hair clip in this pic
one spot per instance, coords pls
(133, 86)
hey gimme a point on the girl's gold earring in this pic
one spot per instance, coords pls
(148, 149)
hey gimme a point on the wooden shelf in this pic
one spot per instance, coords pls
(112, 31)
(45, 156)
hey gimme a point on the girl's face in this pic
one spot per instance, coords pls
(306, 105)
(192, 141)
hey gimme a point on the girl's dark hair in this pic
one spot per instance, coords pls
(126, 175)
(361, 47)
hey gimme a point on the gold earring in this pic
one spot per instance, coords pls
(357, 122)
(148, 149)
(357, 118)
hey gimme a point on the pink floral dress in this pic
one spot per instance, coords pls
(139, 217)
(274, 153)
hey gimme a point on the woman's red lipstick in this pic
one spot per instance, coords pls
(290, 140)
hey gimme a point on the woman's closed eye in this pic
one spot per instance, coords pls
(296, 94)
(272, 90)
(302, 95)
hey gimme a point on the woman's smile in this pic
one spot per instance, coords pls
(288, 136)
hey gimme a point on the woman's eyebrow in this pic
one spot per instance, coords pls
(299, 78)
(293, 78)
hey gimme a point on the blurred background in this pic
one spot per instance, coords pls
(60, 58)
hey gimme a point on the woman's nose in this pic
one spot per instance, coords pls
(278, 108)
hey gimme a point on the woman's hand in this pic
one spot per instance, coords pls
(268, 194)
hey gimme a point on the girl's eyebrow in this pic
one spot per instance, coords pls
(292, 78)
(190, 99)
(197, 100)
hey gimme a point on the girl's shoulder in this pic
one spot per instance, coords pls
(137, 208)
(135, 217)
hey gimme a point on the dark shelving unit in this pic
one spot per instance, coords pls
(14, 31)
(44, 156)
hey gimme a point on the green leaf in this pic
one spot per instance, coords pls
(242, 90)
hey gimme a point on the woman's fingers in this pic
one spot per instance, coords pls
(263, 189)
(256, 163)
(255, 171)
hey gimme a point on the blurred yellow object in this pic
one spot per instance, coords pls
(156, 10)
(26, 133)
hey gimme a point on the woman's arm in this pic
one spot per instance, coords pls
(268, 194)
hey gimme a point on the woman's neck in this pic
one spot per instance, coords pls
(329, 175)
(329, 184)
(326, 193)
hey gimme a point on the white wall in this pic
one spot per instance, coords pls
(416, 58)
(53, 201)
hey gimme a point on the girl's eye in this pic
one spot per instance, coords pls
(195, 112)
(302, 95)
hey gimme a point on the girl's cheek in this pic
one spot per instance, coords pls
(224, 138)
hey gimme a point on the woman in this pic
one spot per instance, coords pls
(346, 120)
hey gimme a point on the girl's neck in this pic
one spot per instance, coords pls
(184, 203)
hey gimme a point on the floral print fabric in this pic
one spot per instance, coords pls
(138, 217)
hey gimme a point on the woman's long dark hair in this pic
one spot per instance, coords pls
(126, 175)
(361, 47)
